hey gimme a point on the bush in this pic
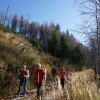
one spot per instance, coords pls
(5, 29)
(7, 85)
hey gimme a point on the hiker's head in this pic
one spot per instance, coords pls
(24, 67)
(38, 66)
(63, 69)
(53, 66)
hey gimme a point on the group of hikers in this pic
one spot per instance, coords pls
(39, 76)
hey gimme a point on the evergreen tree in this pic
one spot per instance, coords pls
(78, 56)
(58, 27)
(65, 48)
(55, 44)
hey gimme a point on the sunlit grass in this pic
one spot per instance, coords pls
(12, 58)
(82, 87)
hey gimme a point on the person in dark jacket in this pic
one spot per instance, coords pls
(54, 71)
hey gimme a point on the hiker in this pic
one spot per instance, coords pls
(54, 71)
(23, 80)
(40, 77)
(62, 77)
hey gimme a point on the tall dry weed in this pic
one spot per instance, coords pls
(81, 86)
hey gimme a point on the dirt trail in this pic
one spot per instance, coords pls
(49, 95)
(54, 92)
(51, 92)
(27, 97)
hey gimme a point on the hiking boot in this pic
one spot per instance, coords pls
(40, 98)
(17, 96)
(25, 95)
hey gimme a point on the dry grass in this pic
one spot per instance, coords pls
(15, 50)
(81, 86)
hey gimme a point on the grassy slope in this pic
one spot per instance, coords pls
(11, 51)
(12, 57)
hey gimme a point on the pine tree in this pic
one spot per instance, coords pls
(55, 43)
(65, 48)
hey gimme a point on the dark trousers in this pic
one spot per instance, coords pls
(39, 89)
(62, 82)
(53, 75)
(23, 80)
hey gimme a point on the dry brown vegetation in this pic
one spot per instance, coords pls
(15, 50)
(81, 86)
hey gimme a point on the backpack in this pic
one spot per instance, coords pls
(28, 73)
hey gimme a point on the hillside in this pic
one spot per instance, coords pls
(15, 51)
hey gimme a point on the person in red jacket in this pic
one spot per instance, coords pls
(39, 76)
(23, 79)
(62, 77)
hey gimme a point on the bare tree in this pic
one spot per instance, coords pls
(14, 23)
(26, 28)
(44, 33)
(2, 17)
(6, 15)
(8, 22)
(34, 29)
(21, 24)
(90, 11)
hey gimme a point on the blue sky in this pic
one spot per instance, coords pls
(63, 12)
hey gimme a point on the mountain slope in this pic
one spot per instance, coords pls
(15, 51)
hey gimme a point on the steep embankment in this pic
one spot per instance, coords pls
(14, 47)
(15, 50)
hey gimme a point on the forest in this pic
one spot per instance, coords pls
(46, 43)
(49, 39)
(49, 46)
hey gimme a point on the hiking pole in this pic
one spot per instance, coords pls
(42, 90)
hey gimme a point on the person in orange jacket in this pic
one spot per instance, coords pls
(62, 77)
(40, 77)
